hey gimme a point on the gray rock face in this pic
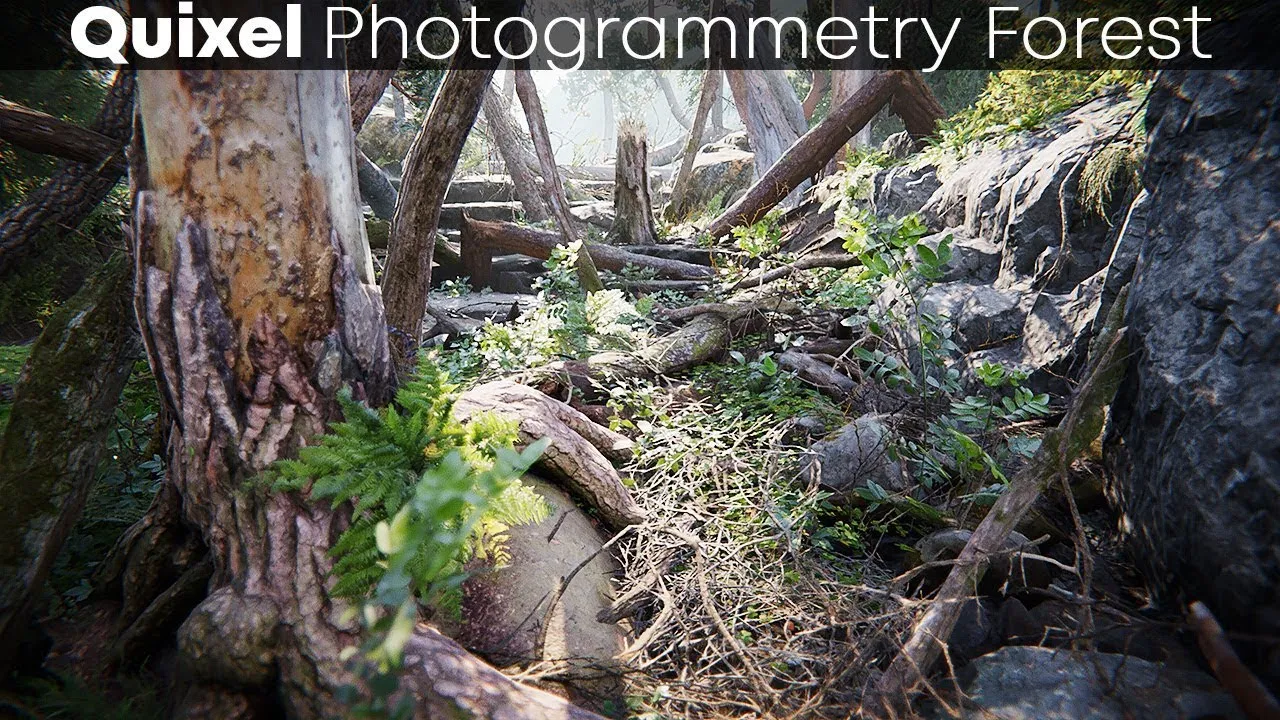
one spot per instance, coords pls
(973, 260)
(720, 171)
(1019, 683)
(506, 610)
(982, 315)
(1194, 444)
(858, 453)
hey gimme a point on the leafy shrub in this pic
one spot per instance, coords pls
(389, 462)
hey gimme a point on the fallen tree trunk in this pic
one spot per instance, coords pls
(822, 376)
(375, 187)
(482, 239)
(807, 156)
(632, 206)
(1058, 449)
(916, 104)
(807, 262)
(432, 157)
(553, 188)
(64, 404)
(75, 189)
(47, 135)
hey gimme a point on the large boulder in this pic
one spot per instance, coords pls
(1018, 683)
(858, 454)
(721, 173)
(509, 617)
(1194, 446)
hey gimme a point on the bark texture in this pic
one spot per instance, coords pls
(517, 157)
(427, 170)
(809, 154)
(632, 204)
(918, 107)
(45, 134)
(482, 239)
(375, 187)
(709, 95)
(554, 190)
(256, 290)
(75, 189)
(63, 407)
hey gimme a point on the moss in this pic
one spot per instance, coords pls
(11, 359)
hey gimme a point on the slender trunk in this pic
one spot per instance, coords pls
(397, 105)
(516, 156)
(554, 190)
(819, 82)
(632, 206)
(673, 100)
(850, 74)
(710, 95)
(47, 135)
(428, 168)
(64, 404)
(75, 189)
(809, 153)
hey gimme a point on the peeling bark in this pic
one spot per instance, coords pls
(257, 300)
(63, 407)
(632, 206)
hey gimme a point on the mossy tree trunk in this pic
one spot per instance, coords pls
(63, 407)
(258, 304)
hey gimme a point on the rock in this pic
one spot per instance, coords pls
(506, 211)
(733, 141)
(506, 609)
(900, 146)
(903, 189)
(1056, 334)
(598, 213)
(1193, 444)
(1017, 683)
(981, 315)
(857, 454)
(1008, 573)
(977, 631)
(480, 189)
(973, 260)
(720, 174)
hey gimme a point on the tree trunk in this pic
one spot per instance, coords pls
(428, 168)
(75, 189)
(258, 301)
(632, 206)
(64, 404)
(481, 240)
(710, 94)
(673, 100)
(375, 187)
(918, 107)
(554, 190)
(809, 153)
(47, 135)
(819, 82)
(368, 85)
(516, 156)
(768, 125)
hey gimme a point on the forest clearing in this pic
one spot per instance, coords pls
(738, 392)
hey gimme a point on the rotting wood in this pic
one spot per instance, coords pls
(1059, 447)
(579, 451)
(633, 208)
(482, 239)
(808, 155)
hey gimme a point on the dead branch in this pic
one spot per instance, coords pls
(822, 376)
(1059, 447)
(47, 135)
(808, 262)
(1254, 698)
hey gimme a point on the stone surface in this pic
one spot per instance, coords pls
(721, 172)
(973, 260)
(1193, 445)
(480, 188)
(506, 609)
(1007, 573)
(981, 315)
(858, 453)
(1030, 683)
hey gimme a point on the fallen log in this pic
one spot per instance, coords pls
(809, 154)
(820, 375)
(1059, 448)
(481, 240)
(47, 135)
(808, 262)
(1258, 703)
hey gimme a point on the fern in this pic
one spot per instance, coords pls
(380, 460)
